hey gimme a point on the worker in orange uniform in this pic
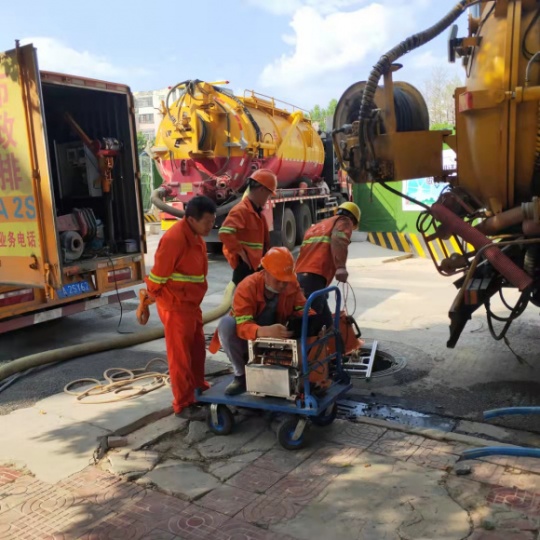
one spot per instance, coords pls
(178, 283)
(244, 232)
(323, 255)
(262, 305)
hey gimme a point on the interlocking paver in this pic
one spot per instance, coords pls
(194, 523)
(487, 473)
(266, 510)
(515, 498)
(226, 500)
(118, 528)
(8, 475)
(91, 484)
(299, 488)
(397, 445)
(237, 529)
(281, 461)
(351, 434)
(22, 489)
(255, 479)
(328, 460)
(432, 458)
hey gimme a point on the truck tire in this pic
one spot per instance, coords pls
(288, 229)
(303, 222)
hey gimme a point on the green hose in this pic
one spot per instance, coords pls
(119, 342)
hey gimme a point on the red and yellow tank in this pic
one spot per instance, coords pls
(210, 141)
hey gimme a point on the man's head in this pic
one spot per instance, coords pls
(350, 210)
(201, 215)
(278, 264)
(262, 183)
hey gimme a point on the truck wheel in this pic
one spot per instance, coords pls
(303, 221)
(288, 229)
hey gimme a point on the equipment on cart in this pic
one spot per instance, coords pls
(301, 379)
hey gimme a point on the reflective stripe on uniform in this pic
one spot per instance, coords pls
(243, 319)
(317, 239)
(298, 308)
(227, 230)
(188, 278)
(176, 277)
(253, 245)
(340, 234)
(157, 279)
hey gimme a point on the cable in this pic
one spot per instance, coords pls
(118, 298)
(528, 54)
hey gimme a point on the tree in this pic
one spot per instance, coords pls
(141, 141)
(319, 115)
(439, 94)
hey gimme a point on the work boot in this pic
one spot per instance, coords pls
(193, 412)
(238, 386)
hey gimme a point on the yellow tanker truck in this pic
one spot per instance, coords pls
(210, 141)
(491, 207)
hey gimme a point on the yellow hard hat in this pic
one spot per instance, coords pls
(353, 209)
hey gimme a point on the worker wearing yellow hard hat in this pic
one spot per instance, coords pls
(323, 254)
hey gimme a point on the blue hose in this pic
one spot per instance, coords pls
(515, 451)
(507, 411)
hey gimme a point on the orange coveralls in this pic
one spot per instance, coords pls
(249, 302)
(244, 228)
(325, 248)
(178, 283)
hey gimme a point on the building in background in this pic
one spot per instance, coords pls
(147, 110)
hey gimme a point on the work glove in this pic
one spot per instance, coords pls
(143, 311)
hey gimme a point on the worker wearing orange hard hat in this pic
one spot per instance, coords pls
(262, 305)
(244, 232)
(323, 255)
(178, 284)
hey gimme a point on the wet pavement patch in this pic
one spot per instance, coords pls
(349, 410)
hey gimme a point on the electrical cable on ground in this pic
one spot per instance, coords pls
(124, 380)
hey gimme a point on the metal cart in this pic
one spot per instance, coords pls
(298, 409)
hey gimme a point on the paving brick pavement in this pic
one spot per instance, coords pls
(279, 487)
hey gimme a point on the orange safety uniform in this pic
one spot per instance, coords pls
(325, 248)
(249, 302)
(244, 228)
(178, 283)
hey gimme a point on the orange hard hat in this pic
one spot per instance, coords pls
(266, 178)
(279, 263)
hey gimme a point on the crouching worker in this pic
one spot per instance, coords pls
(262, 304)
(178, 284)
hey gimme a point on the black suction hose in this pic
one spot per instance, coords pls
(409, 44)
(157, 200)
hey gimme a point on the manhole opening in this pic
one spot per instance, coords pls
(384, 364)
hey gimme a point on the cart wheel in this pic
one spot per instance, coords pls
(285, 433)
(325, 418)
(225, 420)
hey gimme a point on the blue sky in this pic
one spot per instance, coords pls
(302, 51)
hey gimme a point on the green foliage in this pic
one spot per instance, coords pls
(319, 114)
(141, 141)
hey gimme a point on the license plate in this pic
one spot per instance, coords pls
(74, 289)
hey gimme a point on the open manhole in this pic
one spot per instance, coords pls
(384, 364)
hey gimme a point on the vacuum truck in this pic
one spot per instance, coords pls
(210, 141)
(71, 230)
(491, 207)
